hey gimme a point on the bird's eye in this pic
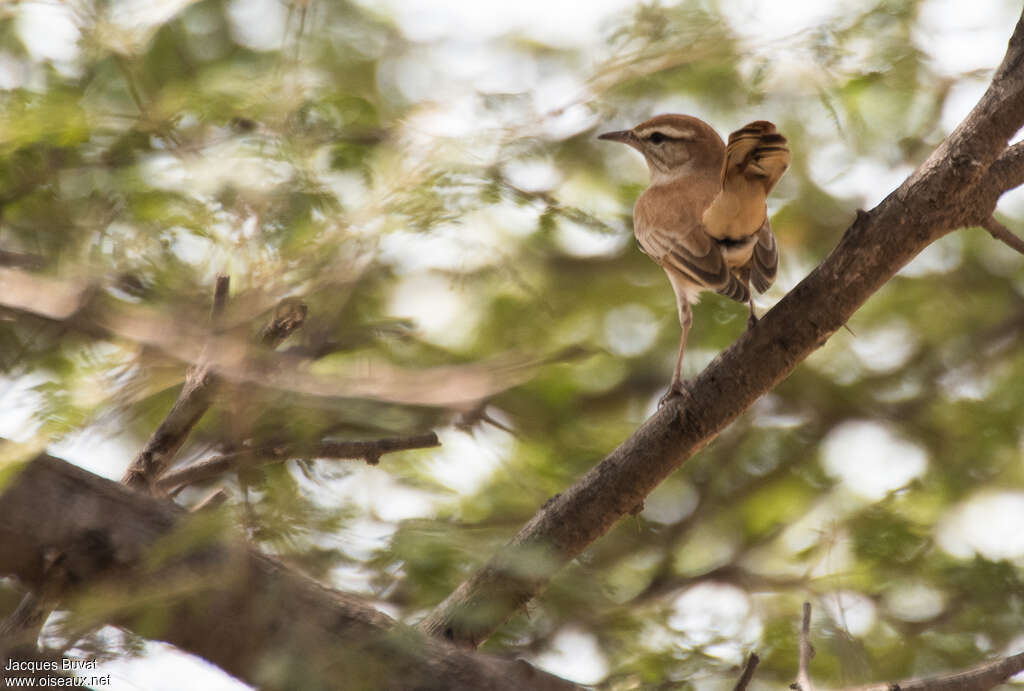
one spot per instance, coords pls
(657, 138)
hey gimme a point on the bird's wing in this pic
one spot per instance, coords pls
(687, 250)
(756, 151)
(764, 262)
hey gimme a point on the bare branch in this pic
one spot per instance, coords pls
(748, 673)
(803, 675)
(1003, 234)
(193, 401)
(962, 164)
(201, 385)
(220, 300)
(980, 678)
(20, 259)
(935, 199)
(370, 450)
(1007, 171)
(983, 135)
(217, 597)
(211, 501)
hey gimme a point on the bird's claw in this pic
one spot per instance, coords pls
(674, 391)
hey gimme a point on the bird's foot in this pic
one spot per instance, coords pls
(676, 390)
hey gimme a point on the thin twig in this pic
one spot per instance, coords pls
(748, 673)
(201, 385)
(220, 300)
(193, 401)
(803, 676)
(1003, 234)
(981, 678)
(21, 260)
(370, 450)
(211, 501)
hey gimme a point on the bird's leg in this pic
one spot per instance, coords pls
(685, 321)
(752, 319)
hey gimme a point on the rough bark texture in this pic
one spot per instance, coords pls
(22, 627)
(63, 528)
(957, 186)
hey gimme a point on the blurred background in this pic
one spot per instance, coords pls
(424, 176)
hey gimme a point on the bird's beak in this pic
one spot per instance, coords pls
(624, 136)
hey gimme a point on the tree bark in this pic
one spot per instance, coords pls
(143, 563)
(957, 186)
(275, 628)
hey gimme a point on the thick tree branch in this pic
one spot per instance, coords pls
(1007, 171)
(22, 627)
(371, 450)
(247, 613)
(934, 200)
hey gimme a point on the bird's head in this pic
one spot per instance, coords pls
(674, 146)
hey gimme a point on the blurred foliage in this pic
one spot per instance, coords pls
(312, 150)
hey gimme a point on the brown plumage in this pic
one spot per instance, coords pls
(704, 218)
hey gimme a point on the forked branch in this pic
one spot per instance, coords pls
(940, 196)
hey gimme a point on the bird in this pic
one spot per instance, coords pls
(704, 216)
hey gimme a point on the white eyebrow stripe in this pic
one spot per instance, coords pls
(668, 131)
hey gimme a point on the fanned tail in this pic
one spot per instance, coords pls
(757, 151)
